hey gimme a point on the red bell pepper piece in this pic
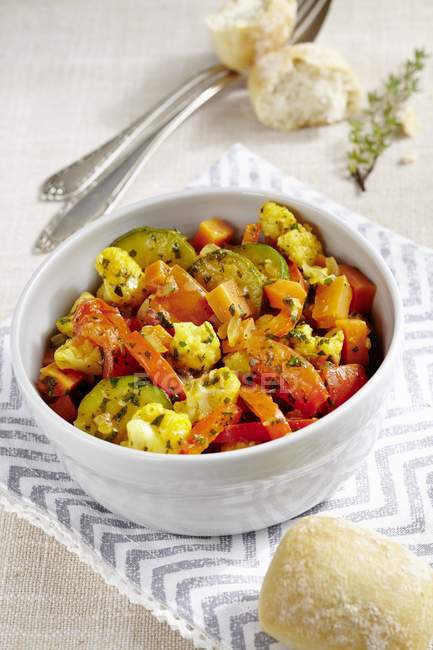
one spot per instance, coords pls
(268, 412)
(206, 430)
(158, 368)
(243, 432)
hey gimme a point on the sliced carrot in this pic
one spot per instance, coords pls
(268, 412)
(251, 233)
(158, 368)
(356, 343)
(213, 231)
(332, 302)
(208, 428)
(54, 382)
(363, 290)
(226, 301)
(155, 275)
(65, 407)
(282, 292)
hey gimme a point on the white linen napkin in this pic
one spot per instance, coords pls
(207, 588)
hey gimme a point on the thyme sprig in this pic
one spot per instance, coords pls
(375, 129)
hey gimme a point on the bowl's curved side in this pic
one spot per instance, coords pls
(245, 489)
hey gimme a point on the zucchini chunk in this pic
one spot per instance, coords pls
(146, 245)
(220, 265)
(268, 260)
(106, 410)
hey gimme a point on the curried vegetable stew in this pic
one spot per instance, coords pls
(211, 345)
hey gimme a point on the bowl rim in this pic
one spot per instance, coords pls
(38, 405)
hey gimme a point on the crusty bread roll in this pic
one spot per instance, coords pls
(303, 85)
(246, 29)
(335, 586)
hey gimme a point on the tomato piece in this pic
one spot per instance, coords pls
(356, 343)
(213, 231)
(303, 388)
(187, 303)
(299, 382)
(158, 368)
(251, 233)
(300, 423)
(65, 407)
(344, 381)
(206, 430)
(243, 432)
(134, 323)
(332, 302)
(363, 289)
(124, 364)
(268, 412)
(48, 357)
(54, 382)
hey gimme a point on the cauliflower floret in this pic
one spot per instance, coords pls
(300, 245)
(155, 428)
(275, 220)
(65, 324)
(317, 274)
(195, 346)
(307, 344)
(205, 394)
(237, 361)
(122, 278)
(84, 357)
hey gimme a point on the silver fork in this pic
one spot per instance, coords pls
(78, 176)
(96, 182)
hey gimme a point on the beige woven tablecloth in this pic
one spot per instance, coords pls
(72, 74)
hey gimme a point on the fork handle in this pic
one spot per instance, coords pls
(80, 175)
(98, 199)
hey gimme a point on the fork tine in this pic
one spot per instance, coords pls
(311, 21)
(304, 8)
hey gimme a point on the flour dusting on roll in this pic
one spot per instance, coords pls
(335, 586)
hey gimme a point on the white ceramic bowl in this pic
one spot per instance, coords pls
(221, 493)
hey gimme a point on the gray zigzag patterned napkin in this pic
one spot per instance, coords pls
(207, 588)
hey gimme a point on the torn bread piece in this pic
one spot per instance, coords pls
(303, 85)
(247, 29)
